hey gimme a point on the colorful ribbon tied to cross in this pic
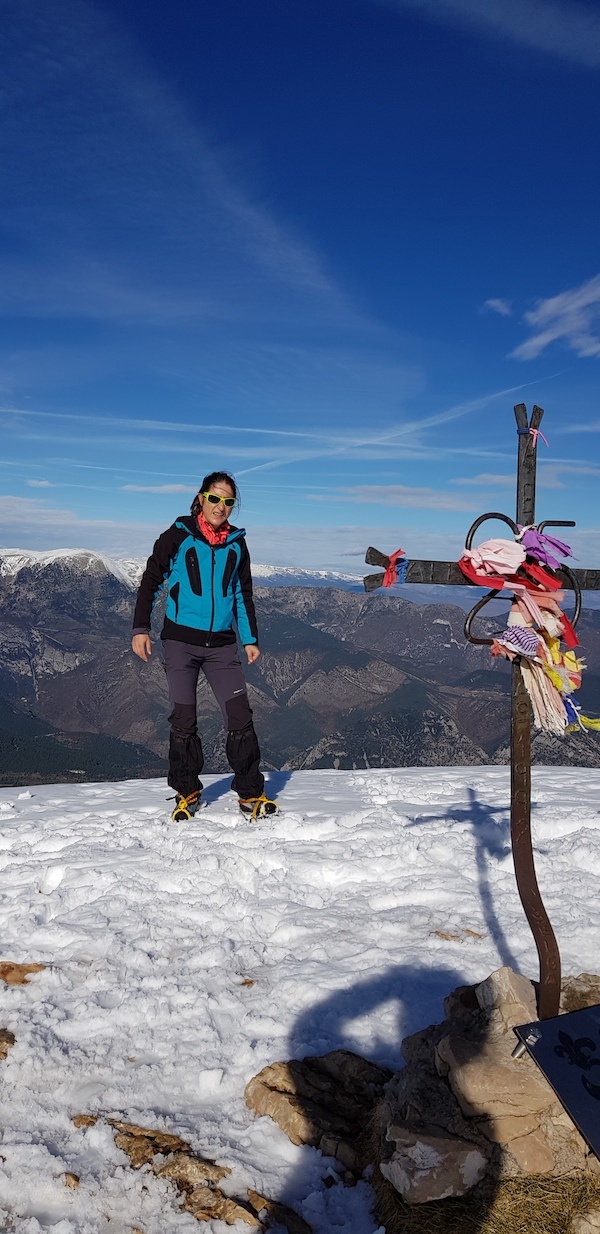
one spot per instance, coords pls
(395, 573)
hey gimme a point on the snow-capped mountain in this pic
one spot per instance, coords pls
(14, 560)
(130, 569)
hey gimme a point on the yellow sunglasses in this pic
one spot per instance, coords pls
(216, 499)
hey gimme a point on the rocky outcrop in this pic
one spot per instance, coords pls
(463, 1107)
(462, 1111)
(324, 1101)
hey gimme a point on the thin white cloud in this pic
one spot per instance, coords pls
(397, 495)
(157, 488)
(548, 478)
(550, 475)
(572, 317)
(40, 484)
(408, 439)
(593, 427)
(562, 28)
(503, 307)
(164, 426)
(487, 479)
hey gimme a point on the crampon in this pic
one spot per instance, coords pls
(185, 807)
(257, 807)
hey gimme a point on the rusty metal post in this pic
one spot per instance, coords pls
(520, 775)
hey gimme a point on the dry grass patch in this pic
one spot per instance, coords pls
(532, 1205)
(456, 938)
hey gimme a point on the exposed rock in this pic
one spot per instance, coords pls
(487, 1083)
(182, 1165)
(421, 1098)
(162, 1140)
(278, 1214)
(586, 1223)
(323, 1101)
(208, 1205)
(532, 1152)
(140, 1151)
(7, 1041)
(508, 994)
(190, 1168)
(17, 974)
(168, 1156)
(427, 1167)
(71, 1180)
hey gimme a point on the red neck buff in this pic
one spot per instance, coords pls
(210, 533)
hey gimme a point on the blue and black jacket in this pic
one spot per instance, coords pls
(208, 588)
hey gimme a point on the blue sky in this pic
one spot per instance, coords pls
(325, 244)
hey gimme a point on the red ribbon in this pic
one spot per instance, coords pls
(569, 634)
(390, 577)
(533, 577)
(541, 576)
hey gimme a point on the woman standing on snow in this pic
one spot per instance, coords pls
(206, 566)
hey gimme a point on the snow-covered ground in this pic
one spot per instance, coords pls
(184, 958)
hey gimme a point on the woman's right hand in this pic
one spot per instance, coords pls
(142, 646)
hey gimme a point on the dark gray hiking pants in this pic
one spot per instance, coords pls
(223, 671)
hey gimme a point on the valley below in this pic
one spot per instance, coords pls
(346, 681)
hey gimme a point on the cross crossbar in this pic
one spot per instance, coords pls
(447, 573)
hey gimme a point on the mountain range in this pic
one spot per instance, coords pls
(345, 680)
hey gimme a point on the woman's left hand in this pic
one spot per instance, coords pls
(253, 652)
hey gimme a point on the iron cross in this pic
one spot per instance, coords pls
(448, 573)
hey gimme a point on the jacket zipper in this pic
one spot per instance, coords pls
(212, 596)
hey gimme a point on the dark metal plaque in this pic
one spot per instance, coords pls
(566, 1049)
